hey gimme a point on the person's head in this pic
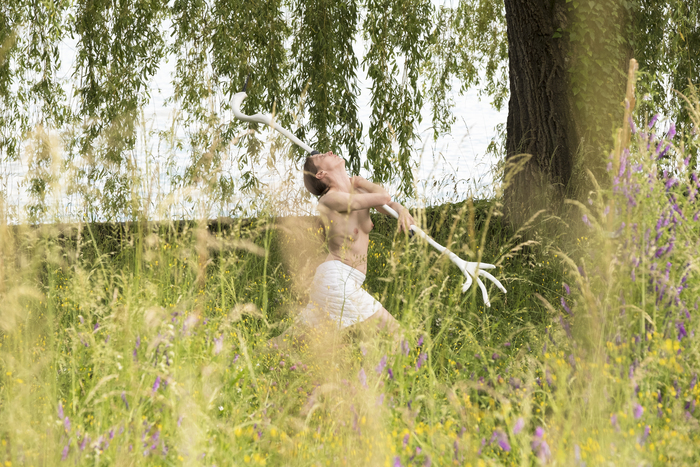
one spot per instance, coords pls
(316, 171)
(315, 185)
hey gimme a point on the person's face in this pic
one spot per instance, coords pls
(328, 162)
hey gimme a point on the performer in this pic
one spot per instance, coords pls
(336, 291)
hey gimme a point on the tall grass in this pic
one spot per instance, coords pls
(147, 344)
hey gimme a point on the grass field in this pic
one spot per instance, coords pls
(146, 345)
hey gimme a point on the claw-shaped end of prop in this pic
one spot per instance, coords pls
(472, 271)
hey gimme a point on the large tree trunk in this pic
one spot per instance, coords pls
(540, 121)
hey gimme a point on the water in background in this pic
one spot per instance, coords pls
(451, 168)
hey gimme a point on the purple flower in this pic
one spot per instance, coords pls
(97, 325)
(156, 384)
(397, 462)
(565, 306)
(66, 424)
(502, 440)
(235, 358)
(421, 359)
(519, 424)
(586, 221)
(64, 455)
(495, 356)
(671, 131)
(381, 366)
(85, 440)
(362, 377)
(539, 445)
(124, 399)
(60, 410)
(638, 411)
(390, 372)
(138, 341)
(404, 346)
(566, 287)
(647, 430)
(405, 440)
(420, 341)
(653, 120)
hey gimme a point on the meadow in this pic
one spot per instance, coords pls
(147, 343)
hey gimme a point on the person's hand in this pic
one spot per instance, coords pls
(405, 220)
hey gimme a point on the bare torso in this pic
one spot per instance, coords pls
(347, 236)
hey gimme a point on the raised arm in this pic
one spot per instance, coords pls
(347, 202)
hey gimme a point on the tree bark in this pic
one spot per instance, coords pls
(540, 118)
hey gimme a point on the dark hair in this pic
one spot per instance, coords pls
(314, 185)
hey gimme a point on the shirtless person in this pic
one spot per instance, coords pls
(344, 204)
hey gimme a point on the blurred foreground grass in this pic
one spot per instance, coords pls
(146, 344)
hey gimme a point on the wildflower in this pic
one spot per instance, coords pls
(421, 359)
(397, 462)
(86, 439)
(64, 455)
(586, 221)
(653, 120)
(66, 424)
(565, 306)
(390, 372)
(495, 356)
(539, 445)
(97, 325)
(502, 440)
(647, 430)
(420, 341)
(124, 399)
(671, 131)
(60, 410)
(381, 366)
(362, 377)
(638, 411)
(156, 384)
(405, 440)
(519, 423)
(404, 346)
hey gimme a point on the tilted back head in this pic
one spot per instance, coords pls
(315, 186)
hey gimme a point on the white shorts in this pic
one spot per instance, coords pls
(336, 294)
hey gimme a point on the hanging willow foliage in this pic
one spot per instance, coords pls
(398, 34)
(302, 62)
(325, 75)
(120, 47)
